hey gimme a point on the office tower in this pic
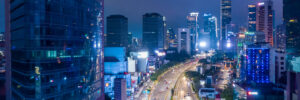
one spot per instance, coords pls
(258, 63)
(251, 18)
(165, 35)
(280, 37)
(225, 20)
(210, 26)
(184, 40)
(291, 19)
(120, 89)
(54, 49)
(193, 26)
(172, 38)
(264, 20)
(117, 31)
(153, 32)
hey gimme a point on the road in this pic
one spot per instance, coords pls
(224, 78)
(183, 89)
(162, 89)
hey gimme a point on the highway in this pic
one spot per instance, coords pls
(162, 89)
(183, 89)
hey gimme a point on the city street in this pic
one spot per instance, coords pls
(162, 89)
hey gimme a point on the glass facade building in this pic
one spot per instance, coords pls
(225, 20)
(117, 31)
(56, 49)
(153, 32)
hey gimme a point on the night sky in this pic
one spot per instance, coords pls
(177, 10)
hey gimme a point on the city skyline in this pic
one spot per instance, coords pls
(134, 12)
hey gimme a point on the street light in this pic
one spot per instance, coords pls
(203, 44)
(228, 45)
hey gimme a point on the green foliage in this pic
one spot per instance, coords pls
(228, 93)
(174, 59)
(162, 69)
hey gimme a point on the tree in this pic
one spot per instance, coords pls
(228, 93)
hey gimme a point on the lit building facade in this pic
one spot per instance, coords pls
(172, 38)
(211, 26)
(193, 26)
(115, 66)
(264, 20)
(225, 20)
(251, 18)
(117, 31)
(55, 49)
(153, 32)
(184, 40)
(258, 64)
(292, 21)
(280, 37)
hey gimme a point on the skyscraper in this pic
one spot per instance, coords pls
(117, 31)
(225, 20)
(54, 49)
(153, 32)
(292, 21)
(264, 20)
(193, 26)
(251, 18)
(184, 40)
(210, 26)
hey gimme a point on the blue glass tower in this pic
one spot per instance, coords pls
(56, 49)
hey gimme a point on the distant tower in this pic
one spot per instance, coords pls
(184, 40)
(225, 20)
(251, 18)
(264, 20)
(193, 26)
(117, 31)
(210, 26)
(153, 32)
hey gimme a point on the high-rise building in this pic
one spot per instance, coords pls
(210, 26)
(193, 26)
(172, 38)
(292, 21)
(225, 20)
(184, 40)
(264, 20)
(258, 63)
(251, 18)
(153, 32)
(278, 66)
(280, 37)
(117, 31)
(166, 35)
(54, 49)
(120, 89)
